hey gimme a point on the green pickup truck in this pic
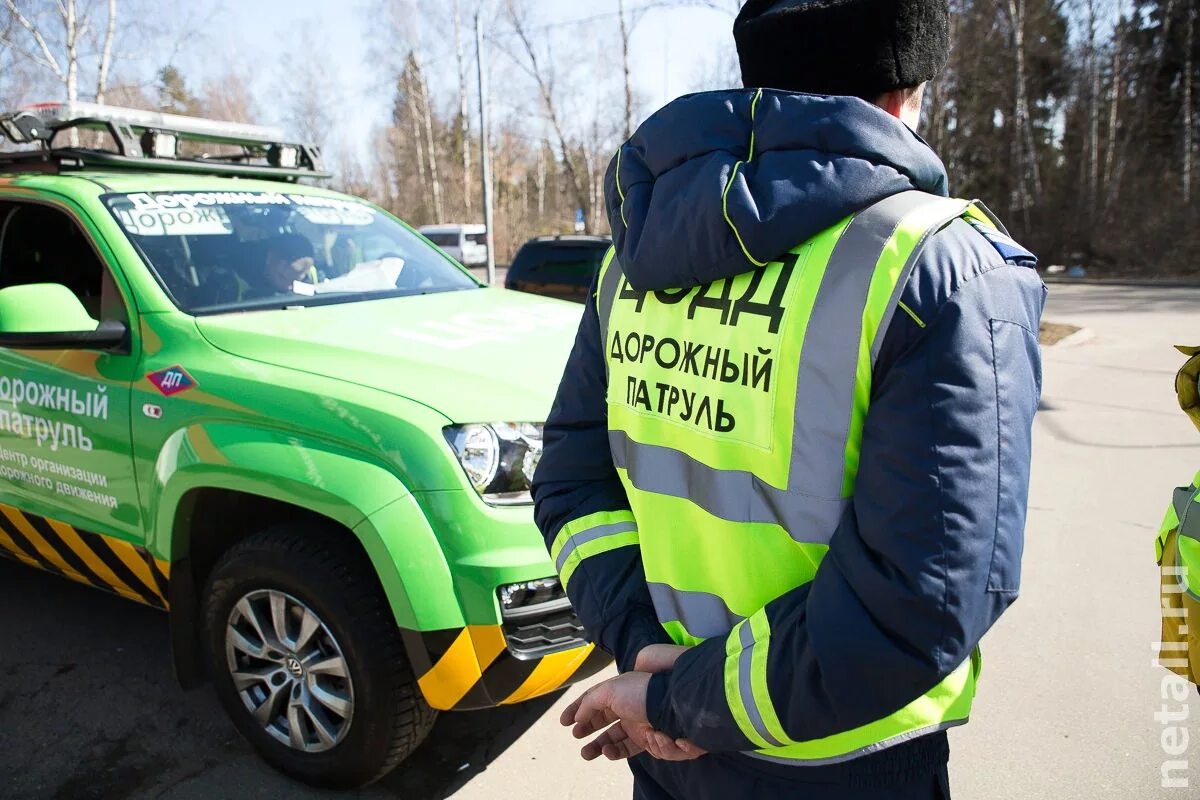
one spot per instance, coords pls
(282, 416)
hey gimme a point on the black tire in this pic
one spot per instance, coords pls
(330, 575)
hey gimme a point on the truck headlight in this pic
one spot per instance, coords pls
(499, 458)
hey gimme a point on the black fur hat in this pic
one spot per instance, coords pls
(861, 48)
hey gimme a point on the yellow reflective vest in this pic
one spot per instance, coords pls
(736, 412)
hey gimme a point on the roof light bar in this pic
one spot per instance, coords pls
(159, 144)
(287, 156)
(151, 140)
(57, 115)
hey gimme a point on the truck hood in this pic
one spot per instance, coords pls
(479, 355)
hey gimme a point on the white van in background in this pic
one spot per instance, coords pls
(465, 243)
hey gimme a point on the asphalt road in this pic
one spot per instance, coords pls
(89, 709)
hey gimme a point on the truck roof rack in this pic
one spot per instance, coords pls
(150, 141)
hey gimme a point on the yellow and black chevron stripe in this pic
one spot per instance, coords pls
(471, 667)
(104, 562)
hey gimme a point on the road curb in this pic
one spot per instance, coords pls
(1148, 283)
(1077, 338)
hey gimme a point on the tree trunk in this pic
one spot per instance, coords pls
(106, 52)
(579, 189)
(1024, 152)
(625, 33)
(589, 210)
(1093, 144)
(48, 59)
(430, 148)
(541, 180)
(414, 121)
(71, 24)
(464, 132)
(939, 93)
(1189, 123)
(1114, 122)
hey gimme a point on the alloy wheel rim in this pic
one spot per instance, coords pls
(289, 671)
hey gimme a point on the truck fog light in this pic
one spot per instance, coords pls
(530, 598)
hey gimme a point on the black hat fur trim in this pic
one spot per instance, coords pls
(862, 48)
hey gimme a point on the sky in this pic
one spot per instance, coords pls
(670, 49)
(673, 51)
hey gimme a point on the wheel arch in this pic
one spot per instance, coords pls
(206, 505)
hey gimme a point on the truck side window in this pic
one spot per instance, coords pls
(40, 244)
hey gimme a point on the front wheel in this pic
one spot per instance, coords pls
(307, 659)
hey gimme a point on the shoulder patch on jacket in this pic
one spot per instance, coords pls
(1008, 249)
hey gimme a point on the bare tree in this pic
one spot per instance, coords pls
(1111, 184)
(306, 89)
(626, 31)
(130, 95)
(540, 180)
(75, 45)
(1091, 159)
(1188, 112)
(464, 128)
(106, 52)
(580, 189)
(426, 112)
(230, 97)
(9, 78)
(63, 64)
(409, 109)
(1028, 183)
(398, 50)
(722, 72)
(935, 112)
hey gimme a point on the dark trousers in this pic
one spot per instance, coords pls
(734, 778)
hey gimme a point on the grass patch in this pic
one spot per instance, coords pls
(1054, 332)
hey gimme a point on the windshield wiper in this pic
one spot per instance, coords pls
(286, 302)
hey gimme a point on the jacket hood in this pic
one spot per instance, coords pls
(716, 183)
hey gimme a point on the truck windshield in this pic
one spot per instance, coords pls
(216, 252)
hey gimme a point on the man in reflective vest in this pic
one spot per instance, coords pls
(784, 480)
(1177, 548)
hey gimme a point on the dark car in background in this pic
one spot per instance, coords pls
(558, 266)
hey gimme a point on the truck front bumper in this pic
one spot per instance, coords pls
(522, 639)
(478, 666)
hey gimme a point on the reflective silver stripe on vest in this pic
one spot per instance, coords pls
(704, 615)
(829, 358)
(746, 638)
(606, 295)
(952, 214)
(862, 751)
(591, 535)
(987, 212)
(733, 495)
(812, 506)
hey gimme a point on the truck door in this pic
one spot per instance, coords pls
(68, 498)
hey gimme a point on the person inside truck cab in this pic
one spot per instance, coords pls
(289, 260)
(344, 255)
(268, 267)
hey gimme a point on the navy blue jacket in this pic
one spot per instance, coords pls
(930, 556)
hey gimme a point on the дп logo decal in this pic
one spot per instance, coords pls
(172, 380)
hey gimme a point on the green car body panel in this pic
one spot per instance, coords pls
(338, 409)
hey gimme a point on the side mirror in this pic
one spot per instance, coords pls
(49, 316)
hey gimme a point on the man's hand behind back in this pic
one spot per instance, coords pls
(618, 706)
(658, 657)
